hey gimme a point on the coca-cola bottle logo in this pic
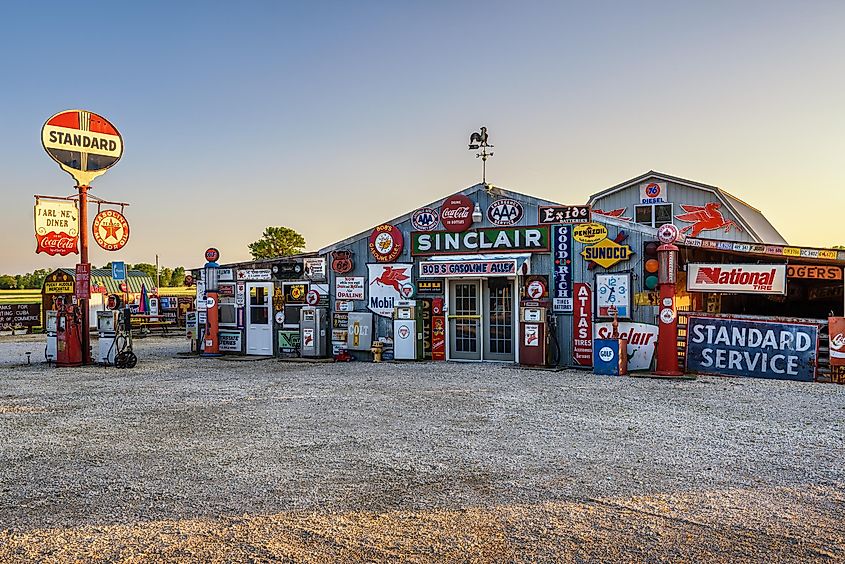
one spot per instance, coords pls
(456, 213)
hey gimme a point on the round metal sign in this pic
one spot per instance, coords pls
(111, 230)
(456, 213)
(504, 211)
(668, 233)
(589, 233)
(312, 298)
(212, 254)
(83, 143)
(386, 243)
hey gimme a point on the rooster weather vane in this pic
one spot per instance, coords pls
(478, 140)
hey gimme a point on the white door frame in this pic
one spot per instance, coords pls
(269, 286)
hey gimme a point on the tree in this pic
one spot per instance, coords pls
(146, 268)
(8, 282)
(166, 275)
(277, 242)
(178, 276)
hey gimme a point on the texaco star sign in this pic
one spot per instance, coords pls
(111, 230)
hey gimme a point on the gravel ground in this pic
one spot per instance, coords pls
(201, 459)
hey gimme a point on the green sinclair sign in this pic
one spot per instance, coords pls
(480, 241)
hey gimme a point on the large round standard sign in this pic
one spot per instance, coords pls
(83, 143)
(456, 213)
(111, 230)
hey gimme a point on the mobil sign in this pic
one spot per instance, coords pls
(737, 278)
(752, 347)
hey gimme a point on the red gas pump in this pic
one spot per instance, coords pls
(69, 336)
(534, 335)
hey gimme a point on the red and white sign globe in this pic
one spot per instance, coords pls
(536, 290)
(456, 213)
(212, 254)
(312, 298)
(111, 230)
(386, 243)
(668, 233)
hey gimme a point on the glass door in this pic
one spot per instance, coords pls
(259, 319)
(499, 319)
(465, 320)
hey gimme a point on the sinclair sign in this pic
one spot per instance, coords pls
(83, 143)
(488, 240)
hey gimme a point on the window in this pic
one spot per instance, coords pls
(653, 215)
(227, 315)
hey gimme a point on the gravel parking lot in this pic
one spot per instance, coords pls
(210, 459)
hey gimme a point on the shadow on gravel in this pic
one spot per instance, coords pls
(779, 525)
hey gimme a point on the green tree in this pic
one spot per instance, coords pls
(146, 268)
(277, 242)
(8, 282)
(177, 278)
(166, 275)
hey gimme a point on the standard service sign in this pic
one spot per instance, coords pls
(83, 143)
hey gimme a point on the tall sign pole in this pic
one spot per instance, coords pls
(85, 145)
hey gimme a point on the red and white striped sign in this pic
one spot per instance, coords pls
(83, 143)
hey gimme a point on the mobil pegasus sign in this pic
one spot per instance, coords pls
(737, 278)
(751, 347)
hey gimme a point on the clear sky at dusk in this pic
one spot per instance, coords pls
(333, 117)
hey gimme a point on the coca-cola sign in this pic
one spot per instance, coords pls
(837, 340)
(56, 227)
(456, 213)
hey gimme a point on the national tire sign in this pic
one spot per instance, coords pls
(737, 278)
(83, 143)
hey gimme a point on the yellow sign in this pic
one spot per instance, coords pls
(791, 251)
(827, 254)
(589, 233)
(58, 287)
(606, 253)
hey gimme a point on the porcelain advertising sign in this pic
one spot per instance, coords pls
(448, 269)
(737, 278)
(489, 240)
(642, 340)
(56, 227)
(751, 347)
(385, 286)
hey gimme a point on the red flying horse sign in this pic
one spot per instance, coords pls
(705, 218)
(83, 143)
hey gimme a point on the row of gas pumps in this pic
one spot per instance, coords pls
(64, 336)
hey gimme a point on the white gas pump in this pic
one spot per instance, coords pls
(50, 326)
(108, 328)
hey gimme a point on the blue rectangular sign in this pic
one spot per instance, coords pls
(118, 270)
(562, 269)
(753, 348)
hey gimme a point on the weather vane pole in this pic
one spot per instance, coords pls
(478, 140)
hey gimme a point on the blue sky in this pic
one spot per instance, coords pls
(332, 117)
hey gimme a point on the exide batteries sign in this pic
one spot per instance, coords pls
(737, 278)
(749, 347)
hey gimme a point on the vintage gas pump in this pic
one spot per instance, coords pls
(534, 334)
(313, 329)
(667, 336)
(211, 339)
(407, 331)
(50, 329)
(69, 336)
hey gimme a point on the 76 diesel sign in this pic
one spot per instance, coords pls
(737, 278)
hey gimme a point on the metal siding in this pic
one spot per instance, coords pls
(677, 194)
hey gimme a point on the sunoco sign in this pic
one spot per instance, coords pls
(748, 347)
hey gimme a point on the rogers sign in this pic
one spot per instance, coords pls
(456, 213)
(737, 278)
